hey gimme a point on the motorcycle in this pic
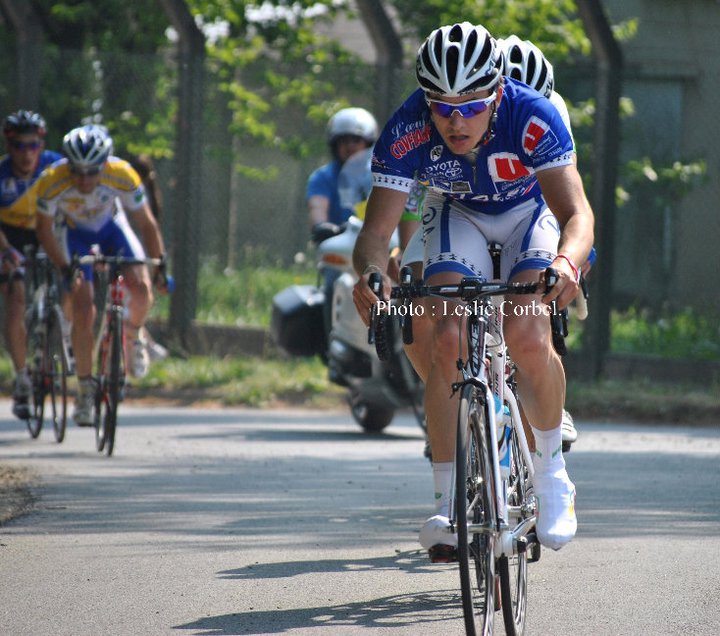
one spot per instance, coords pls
(376, 388)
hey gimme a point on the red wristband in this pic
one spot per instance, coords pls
(575, 270)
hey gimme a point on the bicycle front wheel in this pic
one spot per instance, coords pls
(56, 375)
(475, 505)
(111, 372)
(513, 567)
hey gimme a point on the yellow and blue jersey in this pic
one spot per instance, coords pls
(57, 195)
(18, 196)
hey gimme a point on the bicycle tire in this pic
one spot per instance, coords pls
(35, 349)
(56, 375)
(109, 377)
(475, 503)
(513, 568)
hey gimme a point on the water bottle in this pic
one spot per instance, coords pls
(504, 442)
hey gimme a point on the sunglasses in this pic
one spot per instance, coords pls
(25, 145)
(466, 109)
(86, 172)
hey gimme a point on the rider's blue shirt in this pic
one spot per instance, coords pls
(17, 196)
(529, 136)
(324, 182)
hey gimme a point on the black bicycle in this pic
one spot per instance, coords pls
(48, 358)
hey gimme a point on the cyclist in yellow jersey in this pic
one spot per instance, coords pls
(89, 193)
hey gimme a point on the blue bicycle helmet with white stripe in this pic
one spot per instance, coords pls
(87, 147)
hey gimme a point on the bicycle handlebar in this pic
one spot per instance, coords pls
(469, 289)
(102, 259)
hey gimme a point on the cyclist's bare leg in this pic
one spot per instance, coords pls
(541, 385)
(137, 279)
(540, 374)
(15, 335)
(442, 345)
(83, 311)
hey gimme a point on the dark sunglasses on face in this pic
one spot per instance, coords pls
(466, 109)
(25, 145)
(85, 172)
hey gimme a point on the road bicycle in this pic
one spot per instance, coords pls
(493, 509)
(49, 354)
(109, 349)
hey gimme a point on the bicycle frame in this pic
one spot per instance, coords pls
(487, 368)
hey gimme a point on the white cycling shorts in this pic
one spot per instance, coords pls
(453, 238)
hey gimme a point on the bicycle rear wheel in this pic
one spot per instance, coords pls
(475, 505)
(35, 349)
(56, 375)
(513, 568)
(111, 372)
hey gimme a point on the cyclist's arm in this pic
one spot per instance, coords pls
(563, 192)
(318, 209)
(146, 225)
(384, 209)
(50, 244)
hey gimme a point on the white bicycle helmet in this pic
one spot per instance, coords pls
(352, 121)
(459, 59)
(525, 62)
(87, 147)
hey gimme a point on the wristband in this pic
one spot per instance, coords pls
(575, 270)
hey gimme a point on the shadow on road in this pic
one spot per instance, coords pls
(396, 611)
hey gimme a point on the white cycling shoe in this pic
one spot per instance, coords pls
(439, 540)
(556, 521)
(569, 432)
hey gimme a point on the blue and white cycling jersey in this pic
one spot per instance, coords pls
(529, 136)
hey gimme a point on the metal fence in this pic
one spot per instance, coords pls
(266, 217)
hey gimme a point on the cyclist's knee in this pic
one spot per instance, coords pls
(528, 340)
(445, 339)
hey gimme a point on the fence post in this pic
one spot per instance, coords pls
(188, 168)
(606, 143)
(28, 52)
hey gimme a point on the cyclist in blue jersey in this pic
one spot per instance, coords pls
(26, 158)
(499, 166)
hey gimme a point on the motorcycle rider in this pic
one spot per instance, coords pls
(349, 131)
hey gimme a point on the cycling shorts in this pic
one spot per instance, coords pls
(115, 238)
(456, 239)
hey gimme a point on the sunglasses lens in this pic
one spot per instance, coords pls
(21, 145)
(468, 109)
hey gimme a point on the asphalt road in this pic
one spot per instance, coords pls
(293, 522)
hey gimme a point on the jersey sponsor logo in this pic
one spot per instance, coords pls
(538, 137)
(8, 188)
(436, 153)
(410, 141)
(506, 166)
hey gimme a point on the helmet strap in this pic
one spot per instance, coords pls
(490, 132)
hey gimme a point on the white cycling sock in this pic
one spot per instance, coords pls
(555, 493)
(442, 478)
(548, 450)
